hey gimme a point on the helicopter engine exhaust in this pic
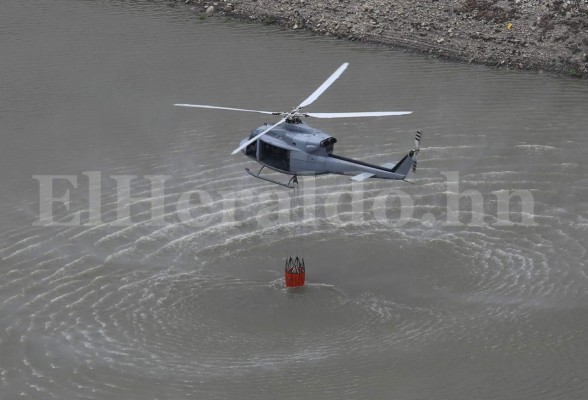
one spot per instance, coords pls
(328, 142)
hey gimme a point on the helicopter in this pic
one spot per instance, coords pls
(292, 147)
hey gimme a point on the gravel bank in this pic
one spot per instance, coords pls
(518, 34)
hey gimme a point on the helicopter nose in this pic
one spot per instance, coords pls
(241, 144)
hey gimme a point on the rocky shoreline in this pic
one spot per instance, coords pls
(516, 34)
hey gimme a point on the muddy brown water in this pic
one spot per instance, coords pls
(404, 299)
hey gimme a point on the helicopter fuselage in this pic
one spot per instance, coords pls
(299, 149)
(294, 148)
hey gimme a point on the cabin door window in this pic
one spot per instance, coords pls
(274, 156)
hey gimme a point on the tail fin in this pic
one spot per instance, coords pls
(410, 160)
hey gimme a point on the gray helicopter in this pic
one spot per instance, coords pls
(292, 147)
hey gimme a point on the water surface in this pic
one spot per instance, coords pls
(127, 309)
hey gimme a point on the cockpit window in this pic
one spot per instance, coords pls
(251, 150)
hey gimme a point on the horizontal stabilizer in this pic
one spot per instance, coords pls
(388, 165)
(362, 177)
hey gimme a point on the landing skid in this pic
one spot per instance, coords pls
(290, 184)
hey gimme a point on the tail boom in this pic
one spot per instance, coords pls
(363, 171)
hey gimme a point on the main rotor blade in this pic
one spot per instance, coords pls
(357, 114)
(324, 86)
(224, 108)
(254, 138)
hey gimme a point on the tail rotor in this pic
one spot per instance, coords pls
(417, 148)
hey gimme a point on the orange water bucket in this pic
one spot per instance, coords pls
(295, 272)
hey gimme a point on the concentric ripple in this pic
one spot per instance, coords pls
(195, 307)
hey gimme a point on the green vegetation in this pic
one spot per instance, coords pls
(575, 73)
